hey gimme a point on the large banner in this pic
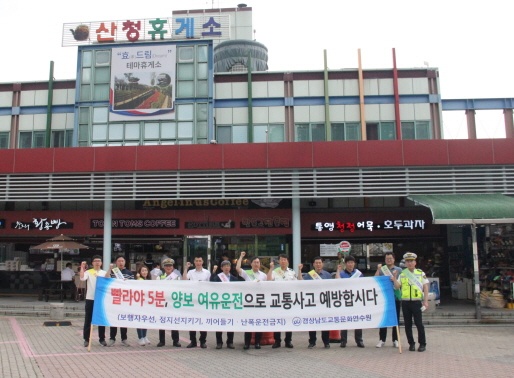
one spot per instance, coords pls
(143, 83)
(245, 306)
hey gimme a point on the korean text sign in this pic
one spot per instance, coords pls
(246, 306)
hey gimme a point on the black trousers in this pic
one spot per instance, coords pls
(278, 339)
(412, 309)
(203, 336)
(324, 337)
(358, 336)
(87, 322)
(219, 337)
(383, 331)
(113, 331)
(248, 337)
(162, 336)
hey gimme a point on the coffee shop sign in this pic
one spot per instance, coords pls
(41, 224)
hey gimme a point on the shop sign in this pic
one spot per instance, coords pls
(42, 224)
(369, 225)
(265, 222)
(125, 224)
(344, 247)
(234, 203)
(210, 224)
(326, 250)
(179, 27)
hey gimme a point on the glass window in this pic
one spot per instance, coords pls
(84, 115)
(86, 76)
(39, 139)
(68, 135)
(85, 93)
(102, 58)
(201, 112)
(100, 114)
(353, 131)
(337, 130)
(387, 131)
(224, 134)
(87, 58)
(318, 132)
(201, 129)
(100, 132)
(83, 133)
(4, 140)
(302, 133)
(408, 131)
(423, 130)
(101, 92)
(240, 134)
(202, 88)
(168, 130)
(185, 129)
(185, 112)
(185, 89)
(186, 72)
(185, 54)
(202, 53)
(151, 131)
(132, 131)
(25, 139)
(260, 133)
(116, 131)
(276, 133)
(102, 75)
(57, 139)
(202, 71)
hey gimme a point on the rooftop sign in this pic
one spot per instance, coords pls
(179, 27)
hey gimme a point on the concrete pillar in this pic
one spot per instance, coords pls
(509, 124)
(472, 127)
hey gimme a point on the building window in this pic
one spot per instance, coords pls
(416, 130)
(4, 140)
(32, 139)
(268, 133)
(192, 72)
(346, 131)
(233, 134)
(310, 132)
(95, 75)
(62, 138)
(380, 131)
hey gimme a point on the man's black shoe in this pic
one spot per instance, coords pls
(161, 344)
(203, 345)
(230, 346)
(276, 345)
(289, 345)
(412, 348)
(343, 345)
(257, 346)
(176, 344)
(422, 348)
(246, 347)
(360, 344)
(191, 345)
(219, 346)
(327, 346)
(311, 345)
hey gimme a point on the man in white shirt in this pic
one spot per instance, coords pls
(170, 274)
(282, 273)
(90, 276)
(199, 273)
(255, 275)
(67, 275)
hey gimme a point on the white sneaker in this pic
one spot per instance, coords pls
(395, 344)
(147, 341)
(380, 344)
(125, 343)
(142, 341)
(110, 343)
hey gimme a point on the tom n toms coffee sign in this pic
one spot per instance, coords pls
(169, 223)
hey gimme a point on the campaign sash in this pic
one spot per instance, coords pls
(223, 277)
(314, 275)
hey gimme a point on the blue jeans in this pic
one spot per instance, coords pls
(141, 333)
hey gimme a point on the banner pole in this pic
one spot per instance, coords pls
(399, 339)
(90, 338)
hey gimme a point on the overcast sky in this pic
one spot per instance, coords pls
(468, 41)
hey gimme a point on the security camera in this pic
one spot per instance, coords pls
(214, 141)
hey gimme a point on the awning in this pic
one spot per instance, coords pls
(468, 208)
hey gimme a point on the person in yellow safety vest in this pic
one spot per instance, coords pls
(414, 289)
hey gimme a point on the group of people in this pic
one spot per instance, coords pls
(410, 286)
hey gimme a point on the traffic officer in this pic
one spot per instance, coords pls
(414, 289)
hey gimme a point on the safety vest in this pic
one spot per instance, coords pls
(412, 292)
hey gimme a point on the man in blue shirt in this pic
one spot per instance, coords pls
(350, 272)
(317, 274)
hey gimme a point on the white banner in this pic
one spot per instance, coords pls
(245, 306)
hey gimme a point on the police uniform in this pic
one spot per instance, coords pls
(412, 298)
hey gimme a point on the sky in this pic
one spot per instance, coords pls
(468, 41)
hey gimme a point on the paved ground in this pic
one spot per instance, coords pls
(30, 349)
